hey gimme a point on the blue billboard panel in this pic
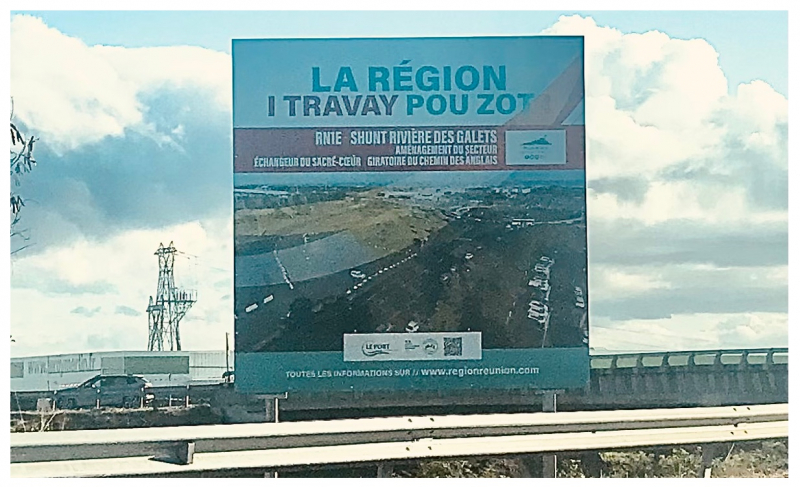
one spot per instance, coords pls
(409, 213)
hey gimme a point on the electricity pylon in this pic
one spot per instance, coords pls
(165, 311)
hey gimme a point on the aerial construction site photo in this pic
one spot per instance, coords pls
(320, 256)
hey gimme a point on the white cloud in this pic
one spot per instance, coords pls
(716, 203)
(697, 331)
(609, 281)
(755, 113)
(660, 119)
(75, 94)
(654, 104)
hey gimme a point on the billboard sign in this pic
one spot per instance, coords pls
(409, 213)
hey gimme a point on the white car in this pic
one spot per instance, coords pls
(540, 317)
(544, 286)
(357, 274)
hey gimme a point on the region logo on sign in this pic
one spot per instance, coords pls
(373, 349)
(430, 346)
(367, 347)
(536, 147)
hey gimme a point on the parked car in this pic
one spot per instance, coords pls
(544, 269)
(128, 391)
(537, 305)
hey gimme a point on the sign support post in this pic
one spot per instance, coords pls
(271, 408)
(549, 460)
(271, 403)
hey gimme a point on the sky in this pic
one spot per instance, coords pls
(687, 168)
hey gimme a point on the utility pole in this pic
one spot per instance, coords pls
(165, 311)
(227, 360)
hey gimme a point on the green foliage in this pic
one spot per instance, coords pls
(628, 464)
(22, 162)
(486, 468)
(680, 463)
(745, 460)
(755, 459)
(570, 468)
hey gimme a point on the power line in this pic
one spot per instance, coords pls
(199, 262)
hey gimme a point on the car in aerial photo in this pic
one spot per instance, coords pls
(127, 391)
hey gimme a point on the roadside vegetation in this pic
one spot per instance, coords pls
(754, 459)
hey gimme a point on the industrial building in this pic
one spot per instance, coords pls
(162, 369)
(163, 365)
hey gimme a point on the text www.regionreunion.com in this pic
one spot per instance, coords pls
(440, 372)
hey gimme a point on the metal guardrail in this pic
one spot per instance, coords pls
(185, 449)
(754, 356)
